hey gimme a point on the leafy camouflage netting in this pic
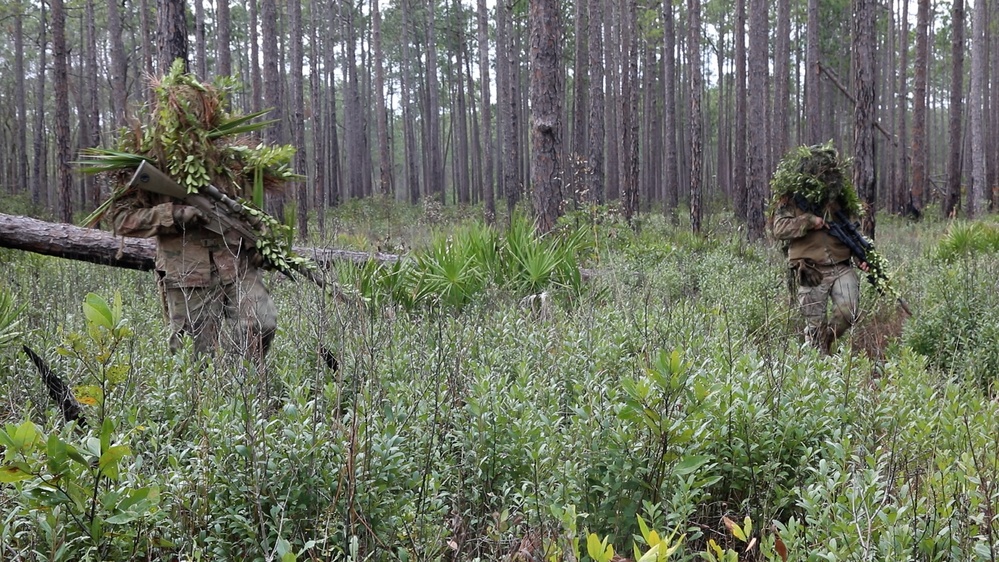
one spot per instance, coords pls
(189, 134)
(817, 174)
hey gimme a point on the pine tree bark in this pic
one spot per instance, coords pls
(39, 175)
(546, 112)
(171, 34)
(977, 200)
(864, 20)
(200, 49)
(20, 176)
(740, 184)
(671, 184)
(508, 103)
(813, 92)
(595, 140)
(917, 189)
(297, 83)
(952, 197)
(118, 71)
(612, 105)
(901, 189)
(60, 85)
(485, 114)
(579, 83)
(256, 80)
(756, 200)
(385, 184)
(223, 39)
(408, 114)
(629, 110)
(782, 79)
(435, 156)
(696, 116)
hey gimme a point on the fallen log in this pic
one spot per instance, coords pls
(104, 248)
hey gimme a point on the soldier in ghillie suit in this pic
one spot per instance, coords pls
(207, 273)
(204, 276)
(810, 187)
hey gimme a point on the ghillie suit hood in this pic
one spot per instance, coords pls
(816, 176)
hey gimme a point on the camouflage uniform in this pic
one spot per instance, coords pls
(824, 274)
(204, 276)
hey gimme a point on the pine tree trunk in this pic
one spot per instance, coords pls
(952, 197)
(756, 199)
(118, 71)
(200, 49)
(385, 184)
(782, 90)
(977, 196)
(508, 103)
(271, 74)
(435, 158)
(595, 140)
(671, 185)
(171, 33)
(919, 137)
(579, 84)
(223, 39)
(629, 110)
(864, 117)
(740, 184)
(256, 80)
(297, 121)
(546, 112)
(20, 176)
(39, 175)
(485, 114)
(902, 188)
(696, 115)
(813, 91)
(408, 114)
(612, 106)
(60, 85)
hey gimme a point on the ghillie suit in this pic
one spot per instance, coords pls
(205, 276)
(810, 190)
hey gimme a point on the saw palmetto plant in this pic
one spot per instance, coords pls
(189, 133)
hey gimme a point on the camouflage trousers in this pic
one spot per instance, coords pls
(200, 311)
(831, 307)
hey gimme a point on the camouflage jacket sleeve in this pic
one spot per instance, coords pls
(790, 222)
(138, 215)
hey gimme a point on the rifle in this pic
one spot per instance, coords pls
(222, 213)
(845, 230)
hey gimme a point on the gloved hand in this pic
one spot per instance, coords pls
(186, 215)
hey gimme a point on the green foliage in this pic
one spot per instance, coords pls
(673, 388)
(815, 173)
(10, 313)
(965, 239)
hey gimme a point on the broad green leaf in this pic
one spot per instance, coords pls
(117, 373)
(14, 473)
(108, 464)
(24, 437)
(97, 311)
(689, 464)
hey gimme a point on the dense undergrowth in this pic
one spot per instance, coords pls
(671, 386)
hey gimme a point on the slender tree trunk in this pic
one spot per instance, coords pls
(297, 83)
(385, 187)
(485, 114)
(864, 118)
(511, 170)
(579, 83)
(612, 179)
(20, 103)
(629, 110)
(146, 46)
(902, 189)
(595, 141)
(223, 39)
(546, 112)
(977, 199)
(782, 78)
(671, 184)
(256, 80)
(39, 176)
(952, 197)
(813, 91)
(740, 186)
(118, 71)
(696, 116)
(271, 75)
(60, 84)
(200, 50)
(92, 110)
(320, 147)
(409, 133)
(352, 106)
(435, 159)
(919, 137)
(757, 150)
